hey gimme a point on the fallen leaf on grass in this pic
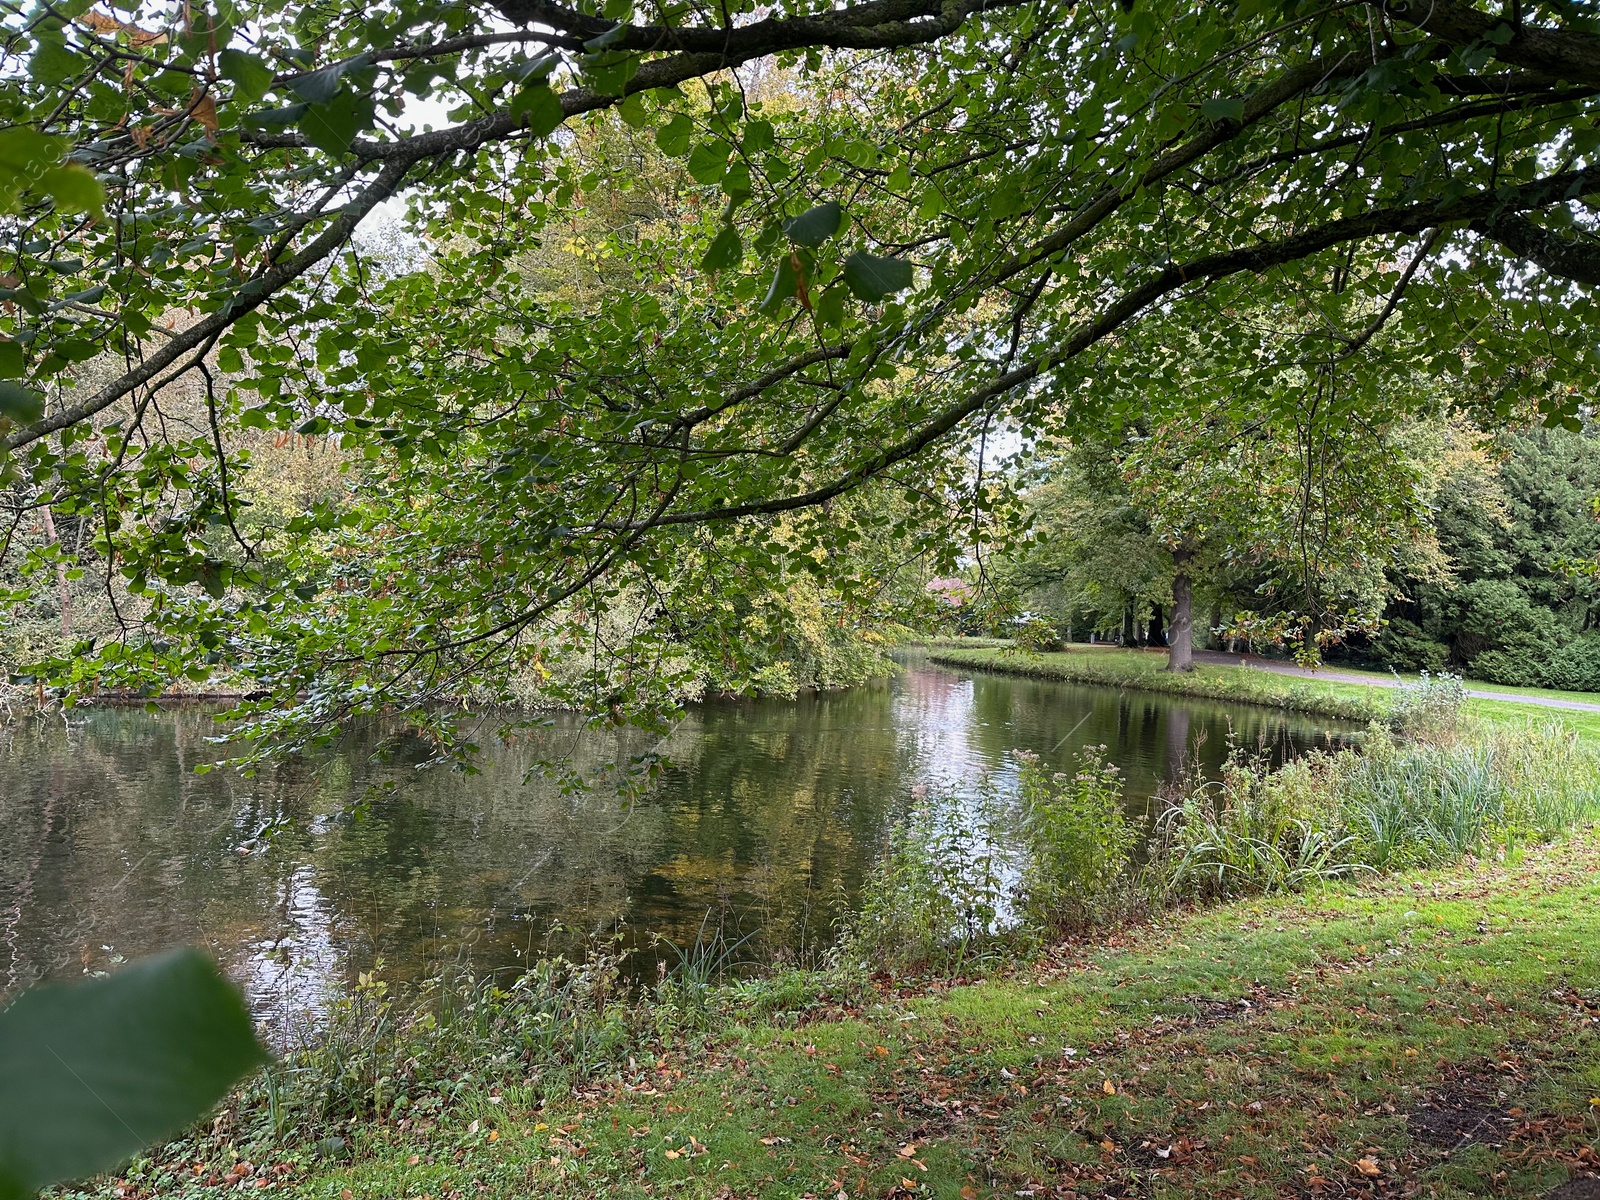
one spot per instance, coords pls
(1368, 1167)
(1109, 1088)
(775, 1141)
(908, 1150)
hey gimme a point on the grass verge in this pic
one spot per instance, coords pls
(1147, 672)
(1429, 1034)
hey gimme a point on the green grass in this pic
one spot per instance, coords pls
(1291, 1046)
(1509, 712)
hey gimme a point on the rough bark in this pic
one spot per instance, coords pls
(1214, 638)
(1180, 655)
(1570, 257)
(1130, 637)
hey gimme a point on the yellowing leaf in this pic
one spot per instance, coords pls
(1109, 1088)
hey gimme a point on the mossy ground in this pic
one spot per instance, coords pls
(1429, 1034)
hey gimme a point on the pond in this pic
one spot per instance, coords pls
(765, 823)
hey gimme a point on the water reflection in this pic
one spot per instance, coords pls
(768, 819)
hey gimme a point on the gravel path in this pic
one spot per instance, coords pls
(1279, 667)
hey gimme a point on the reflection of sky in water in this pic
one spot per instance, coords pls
(767, 820)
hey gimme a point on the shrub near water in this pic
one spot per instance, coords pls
(938, 895)
(1077, 841)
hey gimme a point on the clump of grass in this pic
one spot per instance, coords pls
(1398, 802)
(1251, 830)
(687, 992)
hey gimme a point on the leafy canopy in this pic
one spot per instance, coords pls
(897, 225)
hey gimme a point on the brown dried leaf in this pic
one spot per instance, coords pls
(203, 108)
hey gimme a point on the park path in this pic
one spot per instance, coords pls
(1279, 667)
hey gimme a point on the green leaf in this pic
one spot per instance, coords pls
(830, 308)
(759, 135)
(251, 77)
(727, 250)
(871, 278)
(1222, 108)
(74, 188)
(92, 1072)
(540, 108)
(632, 111)
(54, 63)
(535, 70)
(25, 154)
(708, 160)
(784, 284)
(13, 360)
(816, 225)
(609, 71)
(320, 87)
(332, 127)
(607, 39)
(279, 117)
(22, 405)
(673, 137)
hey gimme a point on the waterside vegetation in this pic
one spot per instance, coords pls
(1032, 999)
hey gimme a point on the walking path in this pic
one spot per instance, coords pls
(1279, 667)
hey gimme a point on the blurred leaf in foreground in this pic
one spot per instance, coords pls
(92, 1072)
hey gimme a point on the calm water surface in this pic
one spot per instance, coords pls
(765, 823)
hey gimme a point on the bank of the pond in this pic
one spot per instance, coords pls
(1146, 671)
(1428, 1034)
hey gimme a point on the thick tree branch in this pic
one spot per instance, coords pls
(1569, 54)
(1568, 257)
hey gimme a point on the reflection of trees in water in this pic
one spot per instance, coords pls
(107, 838)
(768, 818)
(1153, 739)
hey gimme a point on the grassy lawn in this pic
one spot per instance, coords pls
(1430, 1034)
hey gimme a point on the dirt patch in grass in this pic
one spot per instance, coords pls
(1215, 1012)
(1586, 1188)
(1450, 1126)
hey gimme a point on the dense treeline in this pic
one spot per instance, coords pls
(1515, 598)
(1424, 546)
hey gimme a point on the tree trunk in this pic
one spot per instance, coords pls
(1158, 634)
(1181, 640)
(1130, 637)
(62, 587)
(1214, 638)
